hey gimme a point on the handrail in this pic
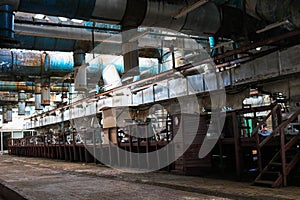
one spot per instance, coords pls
(255, 130)
(281, 126)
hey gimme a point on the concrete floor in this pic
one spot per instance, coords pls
(51, 179)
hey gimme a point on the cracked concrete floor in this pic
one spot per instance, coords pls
(37, 180)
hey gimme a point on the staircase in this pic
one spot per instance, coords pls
(275, 173)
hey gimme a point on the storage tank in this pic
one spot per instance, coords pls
(21, 102)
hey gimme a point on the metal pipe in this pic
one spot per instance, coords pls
(6, 113)
(45, 91)
(258, 44)
(2, 143)
(35, 63)
(28, 87)
(59, 32)
(38, 96)
(38, 101)
(9, 113)
(21, 102)
(190, 8)
(99, 26)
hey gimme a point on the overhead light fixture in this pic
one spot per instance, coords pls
(39, 16)
(78, 21)
(63, 19)
(190, 8)
(272, 26)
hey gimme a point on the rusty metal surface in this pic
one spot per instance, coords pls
(27, 63)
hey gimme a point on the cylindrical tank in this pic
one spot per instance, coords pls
(38, 88)
(4, 111)
(38, 101)
(38, 97)
(21, 107)
(21, 102)
(111, 77)
(45, 96)
(9, 114)
(22, 95)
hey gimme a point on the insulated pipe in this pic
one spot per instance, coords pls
(35, 63)
(38, 96)
(7, 21)
(27, 87)
(9, 114)
(45, 92)
(58, 63)
(60, 32)
(21, 102)
(6, 113)
(130, 13)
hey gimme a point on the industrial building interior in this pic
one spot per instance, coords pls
(194, 87)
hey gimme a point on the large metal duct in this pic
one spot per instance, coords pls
(278, 10)
(35, 63)
(130, 13)
(271, 11)
(205, 20)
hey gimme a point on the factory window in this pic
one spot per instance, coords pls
(17, 134)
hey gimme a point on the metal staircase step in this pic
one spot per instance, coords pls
(271, 172)
(264, 182)
(269, 175)
(275, 164)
